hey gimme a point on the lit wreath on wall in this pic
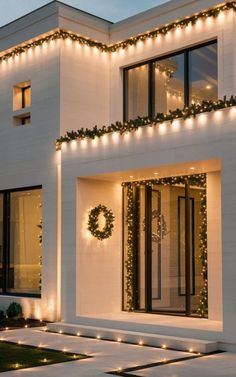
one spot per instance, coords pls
(93, 225)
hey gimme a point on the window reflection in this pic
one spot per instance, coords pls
(169, 84)
(203, 73)
(137, 87)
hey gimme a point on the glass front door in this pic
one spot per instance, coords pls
(168, 261)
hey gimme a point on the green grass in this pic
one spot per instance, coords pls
(14, 356)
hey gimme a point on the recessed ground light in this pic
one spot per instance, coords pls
(164, 346)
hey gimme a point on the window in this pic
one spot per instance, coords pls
(137, 89)
(171, 82)
(22, 103)
(20, 246)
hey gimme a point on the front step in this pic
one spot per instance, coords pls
(155, 340)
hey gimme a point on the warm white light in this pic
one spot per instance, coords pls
(26, 326)
(64, 349)
(98, 337)
(131, 176)
(19, 342)
(60, 331)
(190, 350)
(164, 346)
(192, 168)
(140, 342)
(78, 334)
(208, 87)
(45, 360)
(156, 173)
(17, 365)
(119, 340)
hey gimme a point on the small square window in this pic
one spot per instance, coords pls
(22, 95)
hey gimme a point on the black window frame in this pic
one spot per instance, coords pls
(6, 242)
(149, 63)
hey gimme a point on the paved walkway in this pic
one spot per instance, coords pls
(108, 356)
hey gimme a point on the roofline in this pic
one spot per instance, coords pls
(56, 2)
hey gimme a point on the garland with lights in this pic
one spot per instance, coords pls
(133, 125)
(131, 41)
(93, 225)
(197, 180)
(202, 309)
(129, 262)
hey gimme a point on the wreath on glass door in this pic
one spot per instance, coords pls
(93, 223)
(161, 230)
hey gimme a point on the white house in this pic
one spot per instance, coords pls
(160, 165)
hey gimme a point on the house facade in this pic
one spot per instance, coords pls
(118, 169)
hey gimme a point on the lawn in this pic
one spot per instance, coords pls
(14, 356)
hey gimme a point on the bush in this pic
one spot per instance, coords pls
(14, 310)
(2, 315)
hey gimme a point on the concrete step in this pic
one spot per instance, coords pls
(142, 338)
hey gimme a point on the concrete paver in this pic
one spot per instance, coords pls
(109, 356)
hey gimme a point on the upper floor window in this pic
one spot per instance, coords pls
(22, 95)
(171, 82)
(22, 103)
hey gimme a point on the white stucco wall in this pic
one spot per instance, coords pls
(99, 264)
(28, 156)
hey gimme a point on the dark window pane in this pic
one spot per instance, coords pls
(137, 96)
(168, 84)
(25, 248)
(203, 74)
(1, 241)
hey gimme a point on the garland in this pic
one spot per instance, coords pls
(133, 125)
(203, 295)
(129, 262)
(93, 225)
(198, 180)
(132, 41)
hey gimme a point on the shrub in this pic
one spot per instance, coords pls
(14, 310)
(2, 315)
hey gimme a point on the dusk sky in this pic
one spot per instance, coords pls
(113, 10)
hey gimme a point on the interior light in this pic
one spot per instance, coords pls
(208, 87)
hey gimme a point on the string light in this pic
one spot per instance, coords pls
(135, 124)
(132, 41)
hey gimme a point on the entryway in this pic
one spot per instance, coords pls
(165, 246)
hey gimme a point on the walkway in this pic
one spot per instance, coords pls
(134, 360)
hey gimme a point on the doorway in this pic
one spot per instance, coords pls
(165, 264)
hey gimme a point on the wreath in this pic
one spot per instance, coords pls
(93, 225)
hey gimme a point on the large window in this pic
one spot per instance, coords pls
(20, 241)
(171, 82)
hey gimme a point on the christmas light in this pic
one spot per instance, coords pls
(131, 125)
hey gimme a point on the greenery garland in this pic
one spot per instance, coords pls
(131, 41)
(133, 125)
(198, 180)
(129, 262)
(203, 295)
(93, 225)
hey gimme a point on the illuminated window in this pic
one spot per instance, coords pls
(171, 82)
(20, 241)
(22, 103)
